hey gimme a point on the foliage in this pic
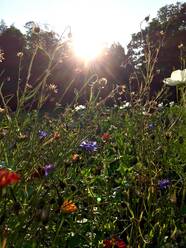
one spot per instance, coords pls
(115, 188)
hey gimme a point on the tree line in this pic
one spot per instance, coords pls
(152, 54)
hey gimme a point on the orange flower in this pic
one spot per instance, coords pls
(75, 157)
(8, 177)
(68, 207)
(56, 135)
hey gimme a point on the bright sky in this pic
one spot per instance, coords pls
(107, 20)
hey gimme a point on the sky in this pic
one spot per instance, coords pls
(105, 21)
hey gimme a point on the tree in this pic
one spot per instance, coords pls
(168, 32)
(12, 41)
(3, 26)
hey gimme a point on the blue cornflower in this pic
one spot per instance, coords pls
(90, 146)
(164, 183)
(42, 134)
(48, 168)
(151, 126)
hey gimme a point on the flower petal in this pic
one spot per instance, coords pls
(171, 82)
(176, 75)
(183, 74)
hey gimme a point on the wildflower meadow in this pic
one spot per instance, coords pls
(90, 173)
(93, 177)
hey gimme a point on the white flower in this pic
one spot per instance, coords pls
(125, 105)
(171, 103)
(160, 105)
(145, 113)
(177, 77)
(84, 220)
(80, 107)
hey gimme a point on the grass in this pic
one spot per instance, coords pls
(112, 191)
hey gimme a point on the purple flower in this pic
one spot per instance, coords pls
(164, 183)
(48, 168)
(42, 134)
(90, 146)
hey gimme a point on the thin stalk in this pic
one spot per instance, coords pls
(57, 233)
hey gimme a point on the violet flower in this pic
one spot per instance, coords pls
(42, 134)
(90, 146)
(48, 169)
(164, 184)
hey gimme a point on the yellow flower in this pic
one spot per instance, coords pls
(2, 110)
(180, 46)
(1, 56)
(53, 88)
(20, 54)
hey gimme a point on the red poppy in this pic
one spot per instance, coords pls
(114, 242)
(107, 243)
(8, 177)
(105, 136)
(120, 243)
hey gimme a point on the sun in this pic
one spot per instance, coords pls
(90, 27)
(95, 25)
(86, 49)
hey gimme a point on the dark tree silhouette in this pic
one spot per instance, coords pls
(170, 27)
(69, 74)
(12, 41)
